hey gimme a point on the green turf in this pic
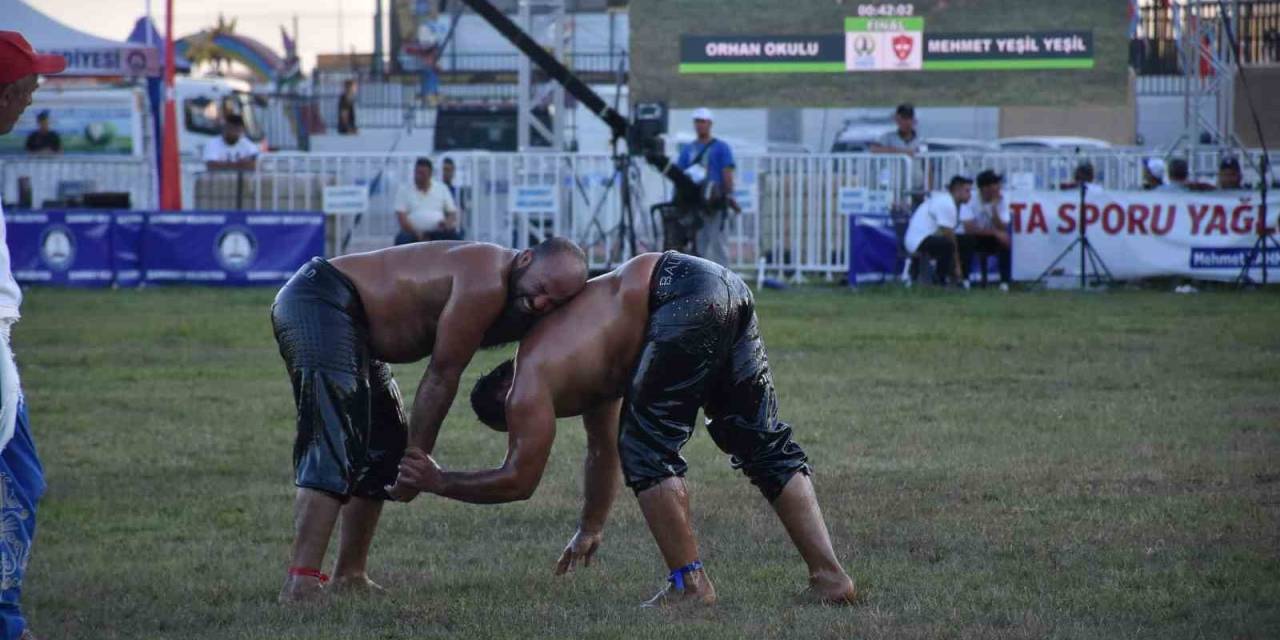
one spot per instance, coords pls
(1023, 466)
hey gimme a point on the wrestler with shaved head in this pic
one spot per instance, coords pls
(339, 323)
(637, 353)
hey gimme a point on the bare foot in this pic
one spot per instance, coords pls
(830, 589)
(356, 585)
(27, 635)
(299, 589)
(698, 590)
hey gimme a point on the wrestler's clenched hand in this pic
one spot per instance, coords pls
(418, 472)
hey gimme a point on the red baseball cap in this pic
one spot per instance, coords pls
(18, 60)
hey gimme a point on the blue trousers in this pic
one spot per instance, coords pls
(21, 485)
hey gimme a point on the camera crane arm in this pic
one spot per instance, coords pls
(685, 186)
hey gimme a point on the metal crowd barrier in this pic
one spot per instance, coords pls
(794, 224)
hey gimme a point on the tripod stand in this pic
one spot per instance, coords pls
(1089, 258)
(1265, 237)
(626, 233)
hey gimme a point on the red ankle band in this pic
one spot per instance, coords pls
(309, 573)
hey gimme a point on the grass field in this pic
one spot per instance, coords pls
(1023, 466)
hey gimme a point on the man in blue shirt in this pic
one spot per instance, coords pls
(710, 161)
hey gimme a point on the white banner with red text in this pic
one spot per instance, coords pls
(1141, 234)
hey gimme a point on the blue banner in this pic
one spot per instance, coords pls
(91, 248)
(126, 244)
(873, 249)
(67, 248)
(233, 248)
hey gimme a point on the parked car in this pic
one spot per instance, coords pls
(1032, 143)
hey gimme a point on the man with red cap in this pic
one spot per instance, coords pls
(21, 476)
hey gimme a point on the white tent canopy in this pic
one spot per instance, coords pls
(86, 54)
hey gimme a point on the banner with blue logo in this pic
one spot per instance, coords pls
(234, 248)
(82, 248)
(61, 248)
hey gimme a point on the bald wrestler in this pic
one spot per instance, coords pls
(339, 323)
(653, 341)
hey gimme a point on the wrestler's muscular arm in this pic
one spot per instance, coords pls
(475, 302)
(601, 477)
(531, 427)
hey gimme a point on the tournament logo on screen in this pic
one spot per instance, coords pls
(235, 248)
(58, 248)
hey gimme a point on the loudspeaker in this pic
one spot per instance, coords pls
(648, 123)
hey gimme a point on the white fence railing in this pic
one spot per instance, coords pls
(790, 218)
(792, 221)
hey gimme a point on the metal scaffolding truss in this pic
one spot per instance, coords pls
(552, 33)
(1208, 67)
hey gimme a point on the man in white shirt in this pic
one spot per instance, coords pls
(984, 228)
(21, 474)
(932, 230)
(231, 150)
(426, 210)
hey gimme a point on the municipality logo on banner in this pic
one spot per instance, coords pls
(58, 248)
(235, 248)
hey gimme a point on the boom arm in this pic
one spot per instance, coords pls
(685, 186)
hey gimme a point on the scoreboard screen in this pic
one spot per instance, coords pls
(815, 53)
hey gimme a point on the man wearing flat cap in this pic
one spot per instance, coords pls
(21, 475)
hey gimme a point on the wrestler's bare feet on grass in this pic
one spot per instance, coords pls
(831, 589)
(698, 591)
(355, 585)
(300, 589)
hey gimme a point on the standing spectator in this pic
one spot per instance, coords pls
(709, 162)
(425, 210)
(932, 231)
(984, 228)
(232, 150)
(347, 109)
(448, 171)
(1229, 176)
(1179, 171)
(903, 140)
(44, 140)
(1152, 173)
(21, 475)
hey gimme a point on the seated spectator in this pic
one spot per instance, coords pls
(1152, 173)
(984, 228)
(1229, 175)
(931, 232)
(232, 150)
(425, 209)
(1178, 173)
(44, 140)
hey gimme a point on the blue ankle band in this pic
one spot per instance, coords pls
(677, 576)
